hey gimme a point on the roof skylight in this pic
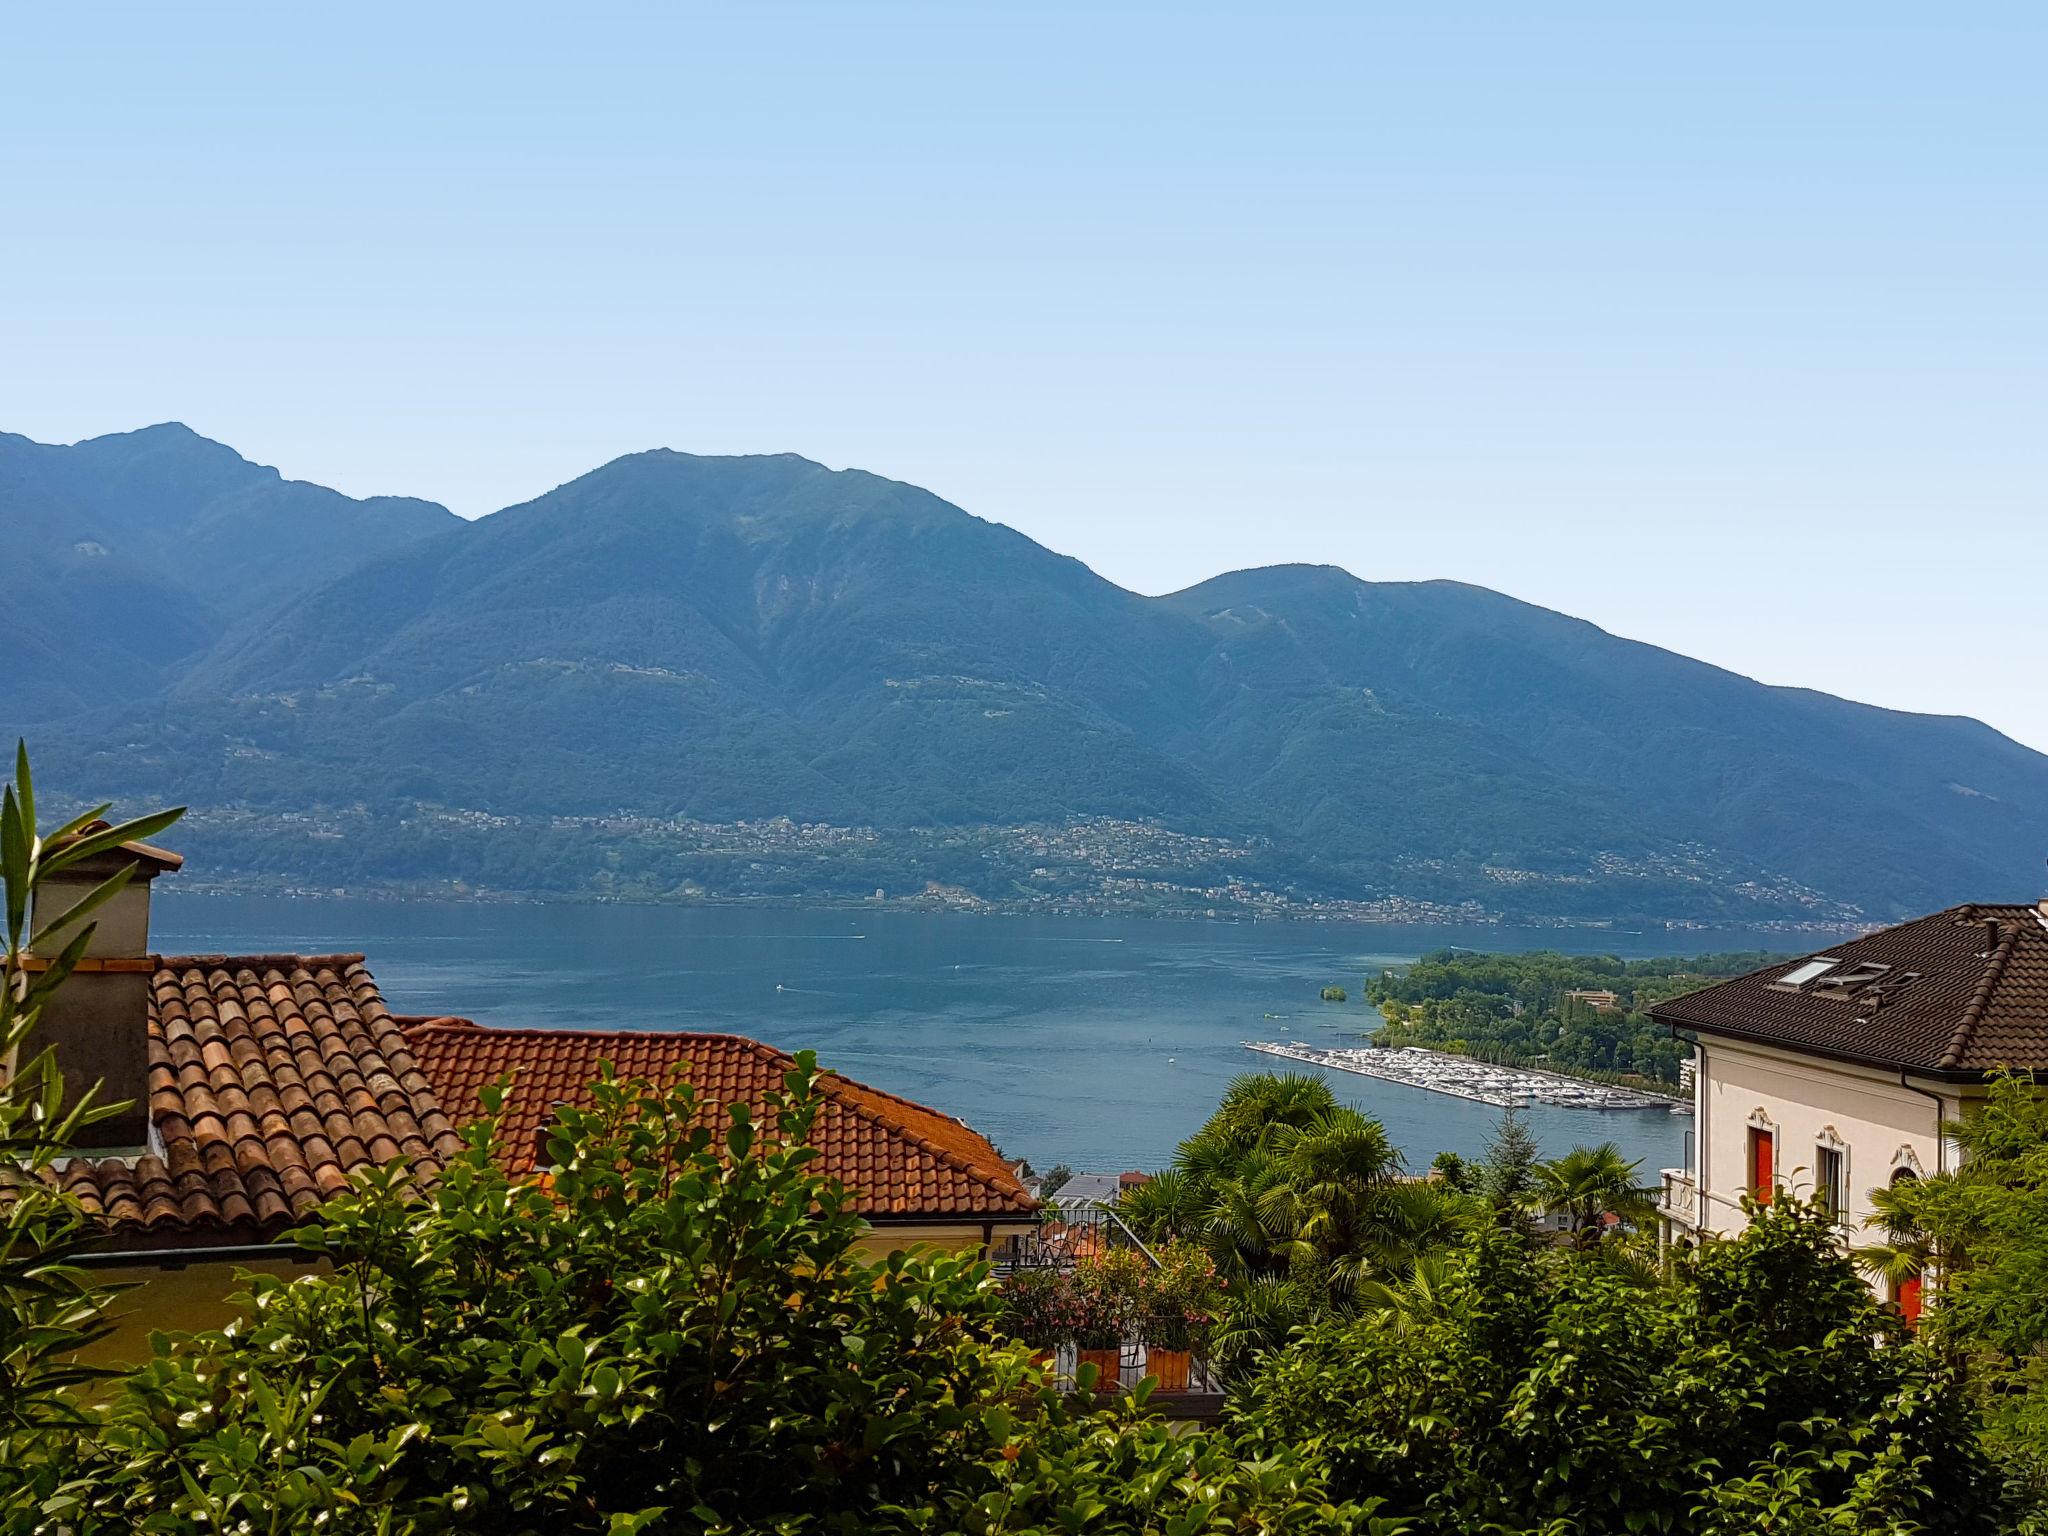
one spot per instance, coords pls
(1806, 971)
(1853, 979)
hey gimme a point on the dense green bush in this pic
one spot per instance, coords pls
(1984, 1227)
(669, 1334)
(1507, 1388)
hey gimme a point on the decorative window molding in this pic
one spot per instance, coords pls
(1831, 1138)
(1906, 1160)
(1758, 1181)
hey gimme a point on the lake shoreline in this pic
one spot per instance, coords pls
(937, 906)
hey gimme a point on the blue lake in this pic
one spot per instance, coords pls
(1099, 1043)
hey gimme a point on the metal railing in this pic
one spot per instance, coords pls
(1064, 1237)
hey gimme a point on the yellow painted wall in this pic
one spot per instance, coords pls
(195, 1296)
(960, 1237)
(180, 1300)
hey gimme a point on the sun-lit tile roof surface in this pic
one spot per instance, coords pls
(899, 1158)
(1976, 1000)
(275, 1077)
(271, 1079)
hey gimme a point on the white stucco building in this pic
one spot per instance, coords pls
(1835, 1074)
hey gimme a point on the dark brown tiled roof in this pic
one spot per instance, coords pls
(1978, 1000)
(901, 1159)
(272, 1078)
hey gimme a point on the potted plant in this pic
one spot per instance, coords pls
(1178, 1303)
(1105, 1304)
(1038, 1311)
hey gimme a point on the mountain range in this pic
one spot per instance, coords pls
(360, 692)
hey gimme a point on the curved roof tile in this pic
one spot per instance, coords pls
(274, 1077)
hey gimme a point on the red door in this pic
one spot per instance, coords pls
(1762, 1165)
(1909, 1300)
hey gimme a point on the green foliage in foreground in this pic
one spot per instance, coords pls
(49, 1309)
(1512, 1008)
(1507, 1389)
(1299, 1201)
(678, 1336)
(1986, 1226)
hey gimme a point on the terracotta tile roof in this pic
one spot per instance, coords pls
(272, 1078)
(1976, 1000)
(901, 1159)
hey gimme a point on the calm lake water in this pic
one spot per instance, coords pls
(1099, 1043)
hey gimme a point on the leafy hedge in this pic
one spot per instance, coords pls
(671, 1333)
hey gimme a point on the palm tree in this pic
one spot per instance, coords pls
(1254, 1107)
(1260, 1317)
(1301, 1204)
(1587, 1185)
(1413, 1302)
(1167, 1207)
(1907, 1252)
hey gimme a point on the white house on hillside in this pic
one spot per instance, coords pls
(1834, 1075)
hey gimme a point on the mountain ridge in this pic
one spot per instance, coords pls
(726, 639)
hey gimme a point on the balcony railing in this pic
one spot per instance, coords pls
(1680, 1201)
(1063, 1238)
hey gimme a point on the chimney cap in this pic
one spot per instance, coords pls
(154, 860)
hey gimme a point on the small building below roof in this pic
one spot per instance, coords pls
(1599, 1000)
(1085, 1191)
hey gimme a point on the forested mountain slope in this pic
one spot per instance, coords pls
(731, 639)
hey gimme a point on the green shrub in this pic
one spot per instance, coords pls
(1760, 1390)
(1038, 1308)
(672, 1334)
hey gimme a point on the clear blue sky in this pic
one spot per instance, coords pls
(1725, 327)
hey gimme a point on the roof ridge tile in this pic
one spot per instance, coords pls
(1980, 1000)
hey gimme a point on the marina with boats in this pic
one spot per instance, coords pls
(1464, 1078)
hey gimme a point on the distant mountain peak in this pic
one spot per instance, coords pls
(160, 434)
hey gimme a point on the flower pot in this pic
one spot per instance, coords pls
(1170, 1366)
(1106, 1363)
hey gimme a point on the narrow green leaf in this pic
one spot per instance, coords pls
(24, 786)
(14, 864)
(94, 843)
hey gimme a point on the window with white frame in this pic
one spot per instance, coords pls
(1831, 1179)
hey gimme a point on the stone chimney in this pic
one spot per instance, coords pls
(98, 1021)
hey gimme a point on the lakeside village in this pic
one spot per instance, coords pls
(1275, 1332)
(1087, 867)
